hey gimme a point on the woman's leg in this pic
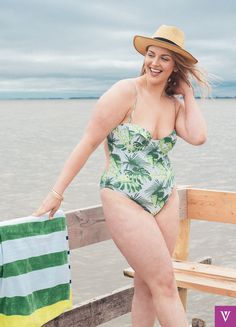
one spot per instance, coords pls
(168, 220)
(143, 312)
(139, 238)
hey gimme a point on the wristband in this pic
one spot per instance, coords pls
(57, 195)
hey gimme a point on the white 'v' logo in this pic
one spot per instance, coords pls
(225, 315)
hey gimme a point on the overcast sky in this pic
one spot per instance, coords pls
(61, 48)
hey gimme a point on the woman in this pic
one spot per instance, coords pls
(140, 119)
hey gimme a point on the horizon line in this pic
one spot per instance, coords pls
(95, 97)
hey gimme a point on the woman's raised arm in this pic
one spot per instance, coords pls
(190, 123)
(109, 111)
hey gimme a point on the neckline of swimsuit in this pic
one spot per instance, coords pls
(144, 128)
(148, 132)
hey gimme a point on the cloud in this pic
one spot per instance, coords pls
(85, 46)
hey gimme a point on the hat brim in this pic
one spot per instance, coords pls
(141, 43)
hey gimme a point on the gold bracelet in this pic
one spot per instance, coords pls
(57, 195)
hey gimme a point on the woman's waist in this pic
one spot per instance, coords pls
(150, 161)
(156, 170)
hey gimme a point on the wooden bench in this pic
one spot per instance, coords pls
(208, 205)
(202, 277)
(87, 226)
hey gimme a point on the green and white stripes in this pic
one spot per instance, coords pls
(34, 270)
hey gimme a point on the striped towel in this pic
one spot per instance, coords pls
(35, 284)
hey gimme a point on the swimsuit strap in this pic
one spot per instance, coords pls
(134, 106)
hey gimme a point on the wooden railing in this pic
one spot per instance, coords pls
(87, 226)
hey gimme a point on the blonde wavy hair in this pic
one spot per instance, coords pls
(191, 73)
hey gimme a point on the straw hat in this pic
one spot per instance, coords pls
(168, 37)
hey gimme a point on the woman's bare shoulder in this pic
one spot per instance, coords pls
(124, 87)
(110, 109)
(120, 96)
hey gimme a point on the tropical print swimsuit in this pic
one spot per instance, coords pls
(139, 166)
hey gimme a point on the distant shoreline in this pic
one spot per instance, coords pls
(92, 98)
(51, 98)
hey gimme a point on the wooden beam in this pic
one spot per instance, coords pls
(129, 272)
(183, 204)
(86, 226)
(214, 272)
(211, 205)
(181, 251)
(201, 277)
(206, 278)
(96, 311)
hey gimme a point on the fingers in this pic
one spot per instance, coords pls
(49, 205)
(52, 213)
(39, 212)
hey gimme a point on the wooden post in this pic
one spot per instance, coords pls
(196, 322)
(181, 251)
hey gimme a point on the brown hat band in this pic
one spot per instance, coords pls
(166, 40)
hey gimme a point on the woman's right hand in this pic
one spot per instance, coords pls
(50, 204)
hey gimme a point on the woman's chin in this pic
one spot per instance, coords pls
(156, 79)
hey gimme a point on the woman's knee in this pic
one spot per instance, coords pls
(140, 286)
(163, 284)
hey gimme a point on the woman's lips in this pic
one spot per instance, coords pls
(155, 72)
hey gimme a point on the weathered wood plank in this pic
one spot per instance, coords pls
(202, 277)
(96, 311)
(204, 282)
(86, 226)
(212, 271)
(129, 272)
(211, 205)
(206, 278)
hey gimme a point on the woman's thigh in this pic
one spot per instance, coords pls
(168, 220)
(139, 238)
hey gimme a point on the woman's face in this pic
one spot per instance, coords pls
(159, 64)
